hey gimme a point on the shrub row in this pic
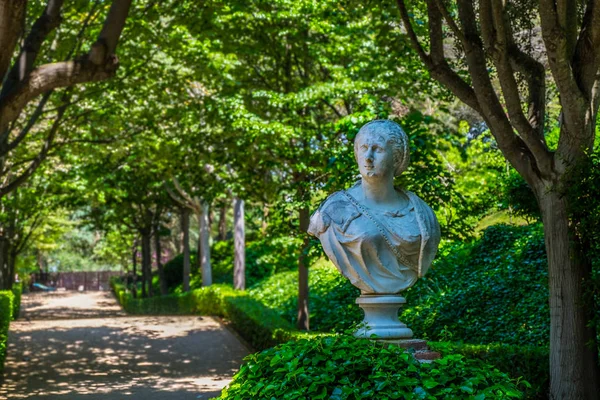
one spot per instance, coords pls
(6, 314)
(260, 326)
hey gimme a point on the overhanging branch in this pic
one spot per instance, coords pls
(439, 69)
(99, 64)
(45, 24)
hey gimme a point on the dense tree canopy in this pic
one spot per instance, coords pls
(260, 102)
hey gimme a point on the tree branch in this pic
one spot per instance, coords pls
(45, 24)
(535, 73)
(36, 43)
(106, 44)
(440, 71)
(498, 38)
(6, 147)
(41, 156)
(559, 57)
(51, 76)
(332, 108)
(586, 58)
(450, 21)
(23, 243)
(512, 146)
(178, 200)
(191, 203)
(99, 64)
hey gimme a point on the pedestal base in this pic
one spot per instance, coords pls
(381, 317)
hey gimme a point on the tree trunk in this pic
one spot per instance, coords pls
(204, 243)
(303, 317)
(4, 278)
(164, 290)
(144, 278)
(40, 260)
(185, 228)
(265, 224)
(12, 258)
(239, 244)
(134, 268)
(574, 371)
(223, 222)
(147, 261)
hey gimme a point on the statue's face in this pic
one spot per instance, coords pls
(374, 156)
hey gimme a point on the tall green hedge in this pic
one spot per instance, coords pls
(6, 313)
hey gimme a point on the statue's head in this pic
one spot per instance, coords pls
(389, 137)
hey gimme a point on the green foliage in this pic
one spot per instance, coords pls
(6, 313)
(527, 362)
(520, 197)
(329, 290)
(259, 325)
(17, 291)
(494, 290)
(342, 367)
(470, 292)
(264, 258)
(173, 269)
(585, 213)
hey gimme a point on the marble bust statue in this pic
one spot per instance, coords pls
(380, 237)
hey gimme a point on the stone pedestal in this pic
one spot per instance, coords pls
(381, 317)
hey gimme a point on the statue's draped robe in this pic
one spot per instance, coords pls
(358, 248)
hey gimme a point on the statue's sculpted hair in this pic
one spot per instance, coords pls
(394, 135)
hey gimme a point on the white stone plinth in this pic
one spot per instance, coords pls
(381, 317)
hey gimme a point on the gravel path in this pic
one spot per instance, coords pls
(81, 346)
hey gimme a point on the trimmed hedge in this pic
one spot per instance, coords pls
(17, 290)
(264, 327)
(260, 326)
(6, 313)
(526, 362)
(342, 367)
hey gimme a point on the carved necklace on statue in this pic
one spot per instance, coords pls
(381, 229)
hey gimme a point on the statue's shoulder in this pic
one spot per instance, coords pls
(336, 201)
(416, 200)
(425, 214)
(336, 209)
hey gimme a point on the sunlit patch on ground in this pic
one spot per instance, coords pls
(113, 356)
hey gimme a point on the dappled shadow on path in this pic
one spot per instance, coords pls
(143, 357)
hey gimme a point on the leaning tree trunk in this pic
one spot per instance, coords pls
(303, 317)
(185, 228)
(204, 243)
(239, 244)
(574, 372)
